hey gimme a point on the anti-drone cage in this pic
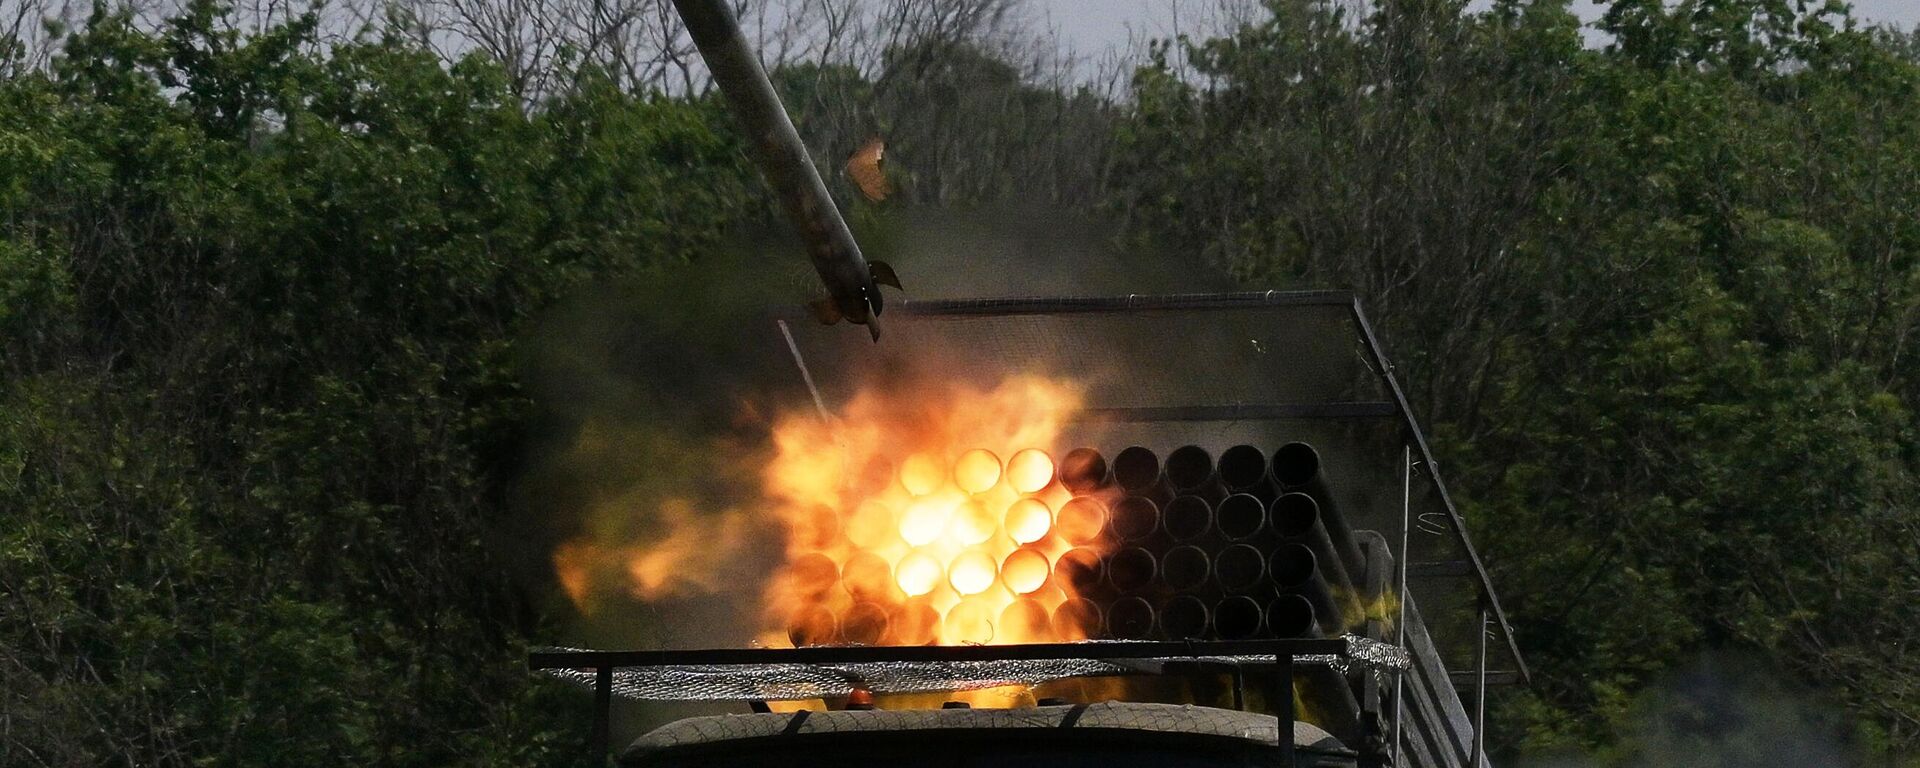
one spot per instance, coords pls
(1217, 371)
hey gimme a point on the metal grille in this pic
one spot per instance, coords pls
(787, 682)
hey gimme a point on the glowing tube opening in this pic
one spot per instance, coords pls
(972, 573)
(1023, 621)
(812, 625)
(1081, 520)
(1075, 619)
(922, 474)
(913, 623)
(972, 523)
(976, 470)
(1028, 521)
(1025, 571)
(864, 624)
(872, 526)
(918, 573)
(813, 574)
(926, 518)
(969, 621)
(1030, 471)
(867, 577)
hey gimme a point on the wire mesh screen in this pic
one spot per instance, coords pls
(788, 682)
(1147, 358)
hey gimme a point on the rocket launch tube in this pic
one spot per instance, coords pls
(1084, 470)
(1241, 517)
(1291, 615)
(1137, 470)
(1243, 468)
(1190, 470)
(1076, 617)
(1184, 617)
(1130, 618)
(1131, 570)
(1185, 568)
(1134, 519)
(1080, 569)
(1238, 567)
(1238, 617)
(1296, 517)
(784, 160)
(864, 624)
(1296, 467)
(1187, 518)
(1296, 571)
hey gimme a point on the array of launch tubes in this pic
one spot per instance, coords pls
(1248, 544)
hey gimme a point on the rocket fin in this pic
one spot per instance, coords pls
(883, 274)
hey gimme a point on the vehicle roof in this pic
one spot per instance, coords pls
(1183, 721)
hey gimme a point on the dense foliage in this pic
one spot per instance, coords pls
(264, 303)
(1661, 298)
(257, 393)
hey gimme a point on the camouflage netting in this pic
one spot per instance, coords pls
(786, 682)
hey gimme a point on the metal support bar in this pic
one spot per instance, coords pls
(602, 715)
(1400, 593)
(1283, 707)
(1053, 305)
(1381, 568)
(1440, 569)
(856, 654)
(1418, 440)
(1495, 678)
(1480, 695)
(1363, 409)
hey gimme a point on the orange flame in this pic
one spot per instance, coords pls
(679, 562)
(922, 514)
(944, 501)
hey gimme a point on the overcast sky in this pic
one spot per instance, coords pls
(1090, 26)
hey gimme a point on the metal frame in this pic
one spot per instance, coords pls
(1416, 437)
(1416, 447)
(603, 663)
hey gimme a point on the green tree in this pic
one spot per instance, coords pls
(260, 405)
(1659, 297)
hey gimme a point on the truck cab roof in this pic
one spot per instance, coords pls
(1062, 736)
